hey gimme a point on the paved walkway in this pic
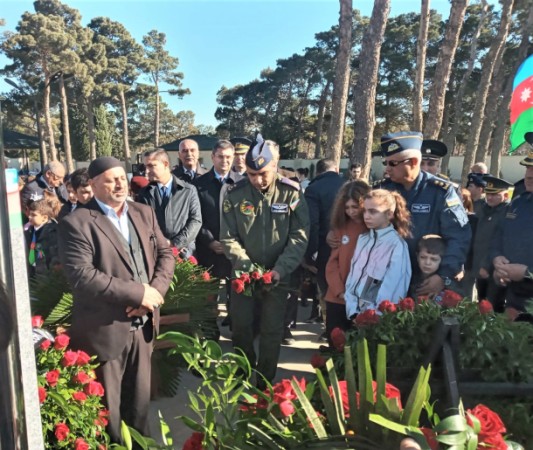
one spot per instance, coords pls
(294, 360)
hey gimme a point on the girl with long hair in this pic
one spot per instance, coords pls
(380, 268)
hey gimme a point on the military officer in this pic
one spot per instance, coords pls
(511, 250)
(265, 222)
(489, 220)
(476, 185)
(433, 203)
(241, 145)
(432, 153)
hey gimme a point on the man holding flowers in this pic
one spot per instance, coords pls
(265, 223)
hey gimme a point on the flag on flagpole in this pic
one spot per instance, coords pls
(522, 104)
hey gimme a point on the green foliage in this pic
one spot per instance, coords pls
(71, 404)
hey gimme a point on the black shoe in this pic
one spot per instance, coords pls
(323, 337)
(288, 339)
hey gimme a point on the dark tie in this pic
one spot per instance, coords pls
(164, 195)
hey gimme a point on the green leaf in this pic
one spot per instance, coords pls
(334, 382)
(316, 423)
(139, 438)
(332, 414)
(418, 396)
(265, 438)
(126, 436)
(355, 419)
(381, 377)
(165, 430)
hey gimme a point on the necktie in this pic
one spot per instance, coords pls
(164, 193)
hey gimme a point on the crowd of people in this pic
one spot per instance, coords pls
(345, 244)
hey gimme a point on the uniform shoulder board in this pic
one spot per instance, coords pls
(239, 184)
(289, 182)
(444, 177)
(439, 182)
(379, 183)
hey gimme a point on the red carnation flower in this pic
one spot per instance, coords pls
(83, 358)
(79, 396)
(206, 276)
(485, 307)
(80, 444)
(94, 388)
(338, 339)
(175, 252)
(431, 438)
(318, 361)
(245, 277)
(491, 423)
(61, 431)
(386, 306)
(42, 394)
(194, 442)
(407, 304)
(267, 278)
(45, 345)
(193, 260)
(81, 378)
(286, 408)
(255, 275)
(238, 286)
(69, 358)
(450, 299)
(37, 321)
(52, 377)
(368, 317)
(61, 342)
(422, 299)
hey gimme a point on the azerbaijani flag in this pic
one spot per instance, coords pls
(522, 104)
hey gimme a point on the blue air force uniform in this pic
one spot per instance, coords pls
(436, 208)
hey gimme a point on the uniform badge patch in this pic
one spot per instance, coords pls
(453, 202)
(420, 208)
(294, 203)
(226, 206)
(246, 208)
(345, 239)
(279, 208)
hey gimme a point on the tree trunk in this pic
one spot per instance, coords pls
(491, 109)
(341, 83)
(65, 123)
(156, 119)
(125, 137)
(418, 96)
(48, 121)
(501, 134)
(451, 135)
(320, 120)
(43, 155)
(365, 87)
(443, 69)
(494, 54)
(89, 113)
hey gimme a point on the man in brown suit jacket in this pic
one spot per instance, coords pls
(120, 266)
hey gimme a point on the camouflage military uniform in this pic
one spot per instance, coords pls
(268, 229)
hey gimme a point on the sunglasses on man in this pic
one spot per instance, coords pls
(395, 163)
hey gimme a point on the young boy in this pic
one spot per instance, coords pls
(41, 236)
(430, 250)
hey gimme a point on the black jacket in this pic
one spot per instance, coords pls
(211, 194)
(180, 218)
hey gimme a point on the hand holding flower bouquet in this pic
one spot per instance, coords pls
(248, 282)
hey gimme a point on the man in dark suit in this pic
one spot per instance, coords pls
(120, 266)
(188, 168)
(50, 179)
(174, 201)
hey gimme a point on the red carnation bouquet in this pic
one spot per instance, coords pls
(247, 283)
(72, 412)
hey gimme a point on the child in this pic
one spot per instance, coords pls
(380, 268)
(346, 226)
(41, 237)
(429, 252)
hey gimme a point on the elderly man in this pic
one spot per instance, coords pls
(119, 266)
(265, 223)
(188, 168)
(50, 179)
(433, 203)
(175, 202)
(511, 249)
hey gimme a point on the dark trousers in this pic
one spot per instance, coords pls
(336, 314)
(269, 307)
(291, 311)
(487, 289)
(126, 381)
